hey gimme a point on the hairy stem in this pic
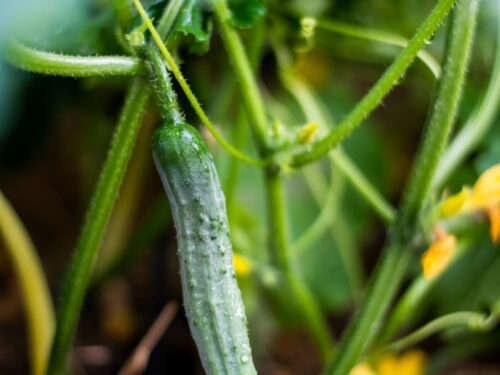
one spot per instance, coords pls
(36, 61)
(444, 108)
(391, 267)
(476, 126)
(165, 94)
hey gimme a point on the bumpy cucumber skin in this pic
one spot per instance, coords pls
(212, 299)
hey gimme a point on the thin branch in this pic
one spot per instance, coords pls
(378, 36)
(139, 359)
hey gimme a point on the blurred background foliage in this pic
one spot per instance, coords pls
(54, 133)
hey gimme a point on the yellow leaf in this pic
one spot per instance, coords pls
(38, 303)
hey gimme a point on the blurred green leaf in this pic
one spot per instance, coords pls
(491, 151)
(324, 272)
(472, 283)
(245, 13)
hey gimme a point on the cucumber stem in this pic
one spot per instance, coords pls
(163, 86)
(56, 64)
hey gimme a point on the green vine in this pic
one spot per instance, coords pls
(379, 91)
(475, 321)
(377, 36)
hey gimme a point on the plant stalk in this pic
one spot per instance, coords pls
(395, 258)
(99, 212)
(243, 69)
(281, 258)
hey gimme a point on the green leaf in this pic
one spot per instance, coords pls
(193, 22)
(245, 13)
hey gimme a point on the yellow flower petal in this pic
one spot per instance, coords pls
(493, 213)
(486, 191)
(455, 203)
(388, 365)
(438, 255)
(362, 369)
(412, 363)
(242, 266)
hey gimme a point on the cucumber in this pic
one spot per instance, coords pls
(212, 300)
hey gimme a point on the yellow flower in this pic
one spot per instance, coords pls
(410, 363)
(486, 191)
(306, 134)
(242, 265)
(438, 255)
(493, 213)
(485, 195)
(362, 369)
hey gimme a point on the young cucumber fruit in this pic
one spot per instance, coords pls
(212, 299)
